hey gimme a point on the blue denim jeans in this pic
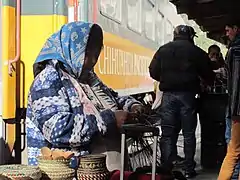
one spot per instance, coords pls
(228, 137)
(178, 111)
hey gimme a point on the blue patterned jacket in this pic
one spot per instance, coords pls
(55, 116)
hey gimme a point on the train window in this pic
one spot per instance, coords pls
(134, 15)
(169, 31)
(112, 9)
(149, 19)
(168, 27)
(160, 28)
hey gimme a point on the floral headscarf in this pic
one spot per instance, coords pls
(68, 46)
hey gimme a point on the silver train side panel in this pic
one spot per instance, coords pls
(167, 9)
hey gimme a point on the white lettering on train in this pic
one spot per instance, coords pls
(119, 62)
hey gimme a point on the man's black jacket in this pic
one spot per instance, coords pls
(233, 66)
(179, 65)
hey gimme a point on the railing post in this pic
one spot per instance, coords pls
(18, 39)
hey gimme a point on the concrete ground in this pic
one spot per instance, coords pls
(202, 174)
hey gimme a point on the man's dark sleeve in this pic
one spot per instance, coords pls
(205, 67)
(215, 65)
(155, 66)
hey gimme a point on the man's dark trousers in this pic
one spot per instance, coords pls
(178, 110)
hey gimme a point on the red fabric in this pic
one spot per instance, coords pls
(116, 176)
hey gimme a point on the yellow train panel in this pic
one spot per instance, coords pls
(8, 53)
(34, 32)
(9, 82)
(123, 65)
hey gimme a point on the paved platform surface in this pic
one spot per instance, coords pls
(202, 174)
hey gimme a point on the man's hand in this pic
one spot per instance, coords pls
(137, 108)
(217, 70)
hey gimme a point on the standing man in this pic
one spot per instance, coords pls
(231, 161)
(177, 159)
(220, 83)
(177, 66)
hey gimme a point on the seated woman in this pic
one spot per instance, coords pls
(68, 106)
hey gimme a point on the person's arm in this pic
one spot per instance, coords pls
(235, 83)
(204, 66)
(123, 102)
(60, 117)
(155, 66)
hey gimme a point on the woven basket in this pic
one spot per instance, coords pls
(93, 167)
(2, 177)
(22, 172)
(57, 175)
(56, 169)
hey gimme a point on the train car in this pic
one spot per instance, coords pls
(133, 30)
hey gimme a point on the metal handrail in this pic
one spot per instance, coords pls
(18, 39)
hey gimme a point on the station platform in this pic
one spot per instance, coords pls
(202, 174)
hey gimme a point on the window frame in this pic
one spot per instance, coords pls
(171, 25)
(156, 26)
(153, 2)
(109, 16)
(154, 21)
(141, 19)
(172, 29)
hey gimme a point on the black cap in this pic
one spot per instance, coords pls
(184, 31)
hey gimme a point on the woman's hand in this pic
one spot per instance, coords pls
(137, 108)
(122, 117)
